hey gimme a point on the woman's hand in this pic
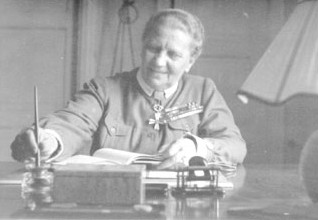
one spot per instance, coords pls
(177, 154)
(24, 147)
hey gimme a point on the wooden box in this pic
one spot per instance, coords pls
(98, 184)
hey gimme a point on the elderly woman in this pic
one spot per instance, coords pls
(157, 108)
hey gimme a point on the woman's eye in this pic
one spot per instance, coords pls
(174, 55)
(152, 49)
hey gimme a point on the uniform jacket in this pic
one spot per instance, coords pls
(114, 112)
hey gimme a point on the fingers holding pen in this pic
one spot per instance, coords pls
(24, 147)
(30, 141)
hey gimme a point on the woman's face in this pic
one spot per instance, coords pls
(166, 56)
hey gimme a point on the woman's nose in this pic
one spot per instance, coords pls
(160, 59)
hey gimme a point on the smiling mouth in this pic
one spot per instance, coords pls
(157, 71)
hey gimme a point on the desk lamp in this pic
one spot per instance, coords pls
(289, 67)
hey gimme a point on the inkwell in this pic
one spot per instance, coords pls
(38, 179)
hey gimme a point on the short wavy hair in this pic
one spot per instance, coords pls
(189, 23)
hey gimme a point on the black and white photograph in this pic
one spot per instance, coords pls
(159, 109)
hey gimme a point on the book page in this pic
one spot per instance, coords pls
(85, 159)
(112, 157)
(126, 157)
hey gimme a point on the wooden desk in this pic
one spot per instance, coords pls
(261, 192)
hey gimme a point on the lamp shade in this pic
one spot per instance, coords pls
(308, 166)
(290, 64)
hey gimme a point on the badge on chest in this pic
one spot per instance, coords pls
(165, 115)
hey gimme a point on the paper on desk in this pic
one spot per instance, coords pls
(14, 178)
(170, 178)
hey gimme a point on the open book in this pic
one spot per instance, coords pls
(119, 157)
(115, 157)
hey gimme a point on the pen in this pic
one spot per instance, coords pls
(36, 129)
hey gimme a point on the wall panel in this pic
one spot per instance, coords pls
(36, 41)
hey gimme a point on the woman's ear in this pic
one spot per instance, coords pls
(190, 64)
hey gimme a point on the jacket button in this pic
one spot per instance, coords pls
(187, 127)
(113, 130)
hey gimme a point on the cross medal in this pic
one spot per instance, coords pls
(166, 115)
(156, 122)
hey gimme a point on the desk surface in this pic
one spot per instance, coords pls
(260, 192)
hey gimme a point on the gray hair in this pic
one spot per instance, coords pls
(189, 23)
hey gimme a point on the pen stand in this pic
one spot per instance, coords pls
(190, 181)
(197, 179)
(36, 186)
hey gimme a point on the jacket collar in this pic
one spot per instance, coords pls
(149, 91)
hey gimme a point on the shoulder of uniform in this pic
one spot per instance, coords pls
(120, 77)
(199, 81)
(126, 75)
